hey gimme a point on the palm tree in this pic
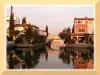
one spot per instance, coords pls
(11, 24)
(30, 33)
(15, 33)
(24, 20)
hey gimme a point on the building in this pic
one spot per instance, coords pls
(42, 32)
(82, 26)
(21, 27)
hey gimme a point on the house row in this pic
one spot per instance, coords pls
(83, 26)
(21, 27)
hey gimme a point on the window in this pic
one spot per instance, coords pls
(86, 22)
(79, 21)
(81, 30)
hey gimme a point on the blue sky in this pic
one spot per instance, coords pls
(57, 17)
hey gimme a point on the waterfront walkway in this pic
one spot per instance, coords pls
(79, 45)
(30, 45)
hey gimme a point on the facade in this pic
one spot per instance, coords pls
(21, 27)
(42, 32)
(82, 26)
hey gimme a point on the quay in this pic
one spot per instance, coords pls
(14, 46)
(79, 45)
(29, 45)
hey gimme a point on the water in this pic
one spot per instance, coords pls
(43, 58)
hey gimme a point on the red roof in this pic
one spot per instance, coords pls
(21, 25)
(85, 18)
(24, 25)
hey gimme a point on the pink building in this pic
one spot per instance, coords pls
(81, 27)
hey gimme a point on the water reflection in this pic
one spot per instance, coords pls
(25, 57)
(43, 58)
(65, 57)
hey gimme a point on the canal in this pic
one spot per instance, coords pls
(42, 58)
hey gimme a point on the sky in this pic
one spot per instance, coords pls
(56, 17)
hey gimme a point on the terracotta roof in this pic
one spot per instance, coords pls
(24, 25)
(81, 24)
(85, 18)
(21, 25)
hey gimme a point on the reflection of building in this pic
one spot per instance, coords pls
(80, 63)
(81, 27)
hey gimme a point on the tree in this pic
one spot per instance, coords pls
(73, 29)
(16, 32)
(65, 30)
(62, 35)
(11, 23)
(66, 34)
(30, 33)
(24, 20)
(46, 29)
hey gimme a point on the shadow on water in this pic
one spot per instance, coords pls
(29, 58)
(66, 56)
(69, 54)
(25, 58)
